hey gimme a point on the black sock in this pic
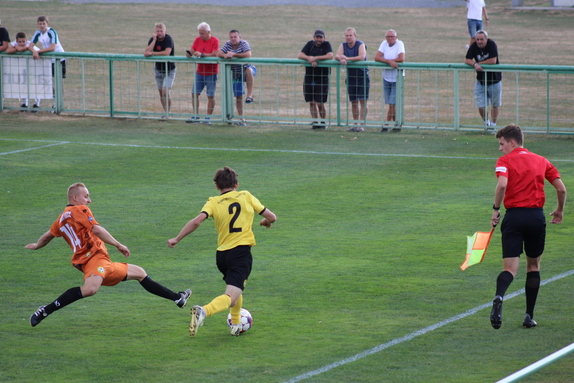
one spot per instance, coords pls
(70, 296)
(532, 287)
(503, 281)
(157, 289)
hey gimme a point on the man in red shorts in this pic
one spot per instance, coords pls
(520, 184)
(86, 237)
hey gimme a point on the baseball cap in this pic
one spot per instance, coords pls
(319, 32)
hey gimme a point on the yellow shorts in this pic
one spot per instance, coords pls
(100, 265)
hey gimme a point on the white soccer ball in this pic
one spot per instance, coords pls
(246, 320)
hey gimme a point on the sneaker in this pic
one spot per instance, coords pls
(183, 296)
(529, 322)
(351, 130)
(193, 120)
(207, 121)
(38, 316)
(235, 329)
(35, 106)
(384, 130)
(487, 122)
(23, 106)
(240, 123)
(359, 129)
(396, 130)
(197, 316)
(496, 313)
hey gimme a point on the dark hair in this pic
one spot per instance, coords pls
(225, 178)
(20, 35)
(511, 132)
(234, 31)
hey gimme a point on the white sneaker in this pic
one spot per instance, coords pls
(487, 122)
(235, 329)
(197, 316)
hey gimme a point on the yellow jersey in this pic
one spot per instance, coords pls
(233, 215)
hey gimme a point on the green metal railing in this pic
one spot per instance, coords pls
(429, 95)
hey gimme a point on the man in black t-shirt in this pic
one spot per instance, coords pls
(488, 86)
(316, 83)
(161, 44)
(4, 38)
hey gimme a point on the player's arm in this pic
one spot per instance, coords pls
(268, 218)
(188, 229)
(105, 236)
(499, 193)
(4, 45)
(42, 241)
(561, 197)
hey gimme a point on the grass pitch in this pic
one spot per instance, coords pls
(366, 250)
(365, 253)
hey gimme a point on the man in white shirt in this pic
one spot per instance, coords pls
(476, 10)
(392, 52)
(48, 37)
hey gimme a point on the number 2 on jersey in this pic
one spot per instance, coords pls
(237, 207)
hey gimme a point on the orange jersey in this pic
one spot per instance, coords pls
(75, 225)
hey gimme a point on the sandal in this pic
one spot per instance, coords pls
(249, 100)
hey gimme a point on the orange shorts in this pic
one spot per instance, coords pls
(112, 272)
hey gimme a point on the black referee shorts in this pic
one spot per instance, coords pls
(523, 228)
(235, 265)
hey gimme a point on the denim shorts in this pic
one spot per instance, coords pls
(474, 26)
(493, 95)
(238, 88)
(390, 90)
(209, 82)
(164, 81)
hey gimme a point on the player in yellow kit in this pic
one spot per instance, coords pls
(233, 213)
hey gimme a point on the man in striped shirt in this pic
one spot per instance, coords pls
(239, 48)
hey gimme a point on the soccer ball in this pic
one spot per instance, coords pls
(246, 320)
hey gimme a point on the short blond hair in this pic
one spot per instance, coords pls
(73, 189)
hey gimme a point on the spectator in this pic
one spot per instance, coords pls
(316, 82)
(4, 38)
(476, 9)
(520, 185)
(161, 44)
(48, 37)
(236, 47)
(358, 81)
(392, 52)
(204, 45)
(488, 85)
(86, 237)
(22, 44)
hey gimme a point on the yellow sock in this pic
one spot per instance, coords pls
(236, 311)
(219, 304)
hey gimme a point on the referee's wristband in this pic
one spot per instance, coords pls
(495, 208)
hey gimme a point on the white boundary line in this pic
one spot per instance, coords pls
(56, 143)
(415, 334)
(262, 150)
(251, 150)
(518, 375)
